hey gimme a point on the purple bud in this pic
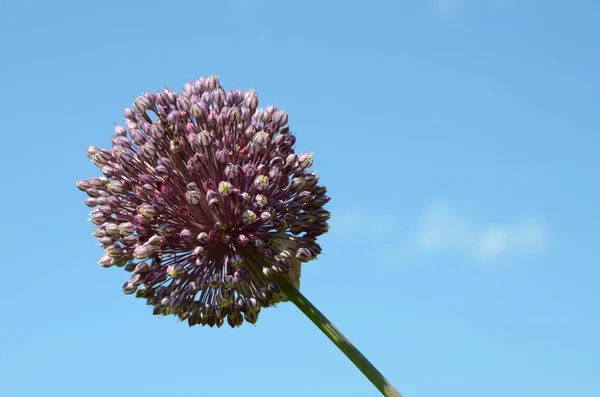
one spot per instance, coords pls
(261, 138)
(114, 251)
(212, 82)
(120, 131)
(129, 114)
(193, 197)
(231, 171)
(83, 185)
(273, 288)
(106, 261)
(144, 251)
(222, 156)
(242, 239)
(185, 234)
(203, 238)
(233, 114)
(305, 160)
(225, 188)
(112, 229)
(126, 228)
(116, 187)
(248, 217)
(147, 211)
(303, 255)
(251, 99)
(261, 182)
(204, 138)
(197, 110)
(280, 117)
(91, 202)
(291, 159)
(183, 103)
(218, 95)
(142, 267)
(261, 200)
(175, 270)
(173, 116)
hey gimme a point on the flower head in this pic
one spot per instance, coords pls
(204, 200)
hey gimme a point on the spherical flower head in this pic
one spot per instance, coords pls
(205, 202)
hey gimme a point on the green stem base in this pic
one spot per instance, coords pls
(361, 362)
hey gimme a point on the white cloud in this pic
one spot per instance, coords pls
(354, 222)
(442, 230)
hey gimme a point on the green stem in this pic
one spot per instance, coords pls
(361, 362)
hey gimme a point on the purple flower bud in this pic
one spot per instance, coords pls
(233, 114)
(203, 238)
(98, 217)
(91, 202)
(212, 82)
(186, 235)
(261, 200)
(303, 255)
(147, 211)
(248, 217)
(142, 267)
(218, 95)
(113, 201)
(155, 240)
(320, 201)
(291, 159)
(251, 99)
(206, 97)
(273, 288)
(183, 103)
(106, 261)
(225, 188)
(129, 288)
(242, 239)
(127, 228)
(140, 105)
(222, 156)
(129, 114)
(261, 183)
(193, 197)
(144, 251)
(204, 138)
(116, 187)
(280, 117)
(99, 232)
(120, 131)
(197, 110)
(305, 160)
(114, 251)
(199, 251)
(175, 270)
(261, 138)
(130, 240)
(83, 185)
(322, 214)
(173, 116)
(106, 241)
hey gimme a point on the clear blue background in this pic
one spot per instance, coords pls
(490, 107)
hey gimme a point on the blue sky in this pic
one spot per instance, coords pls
(458, 139)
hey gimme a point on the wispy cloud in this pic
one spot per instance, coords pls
(355, 222)
(442, 230)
